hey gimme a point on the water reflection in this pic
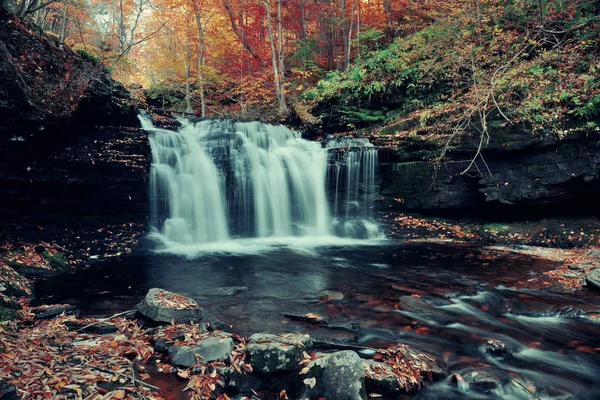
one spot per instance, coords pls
(468, 296)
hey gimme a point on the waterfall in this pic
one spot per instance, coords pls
(351, 179)
(217, 179)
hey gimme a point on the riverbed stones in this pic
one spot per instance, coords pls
(275, 353)
(482, 380)
(47, 312)
(339, 376)
(206, 350)
(160, 305)
(380, 377)
(593, 279)
(497, 349)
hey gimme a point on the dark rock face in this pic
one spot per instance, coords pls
(69, 142)
(525, 169)
(99, 173)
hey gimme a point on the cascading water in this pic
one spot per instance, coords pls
(215, 180)
(351, 180)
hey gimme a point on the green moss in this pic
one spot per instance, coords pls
(497, 228)
(415, 176)
(7, 314)
(15, 264)
(57, 261)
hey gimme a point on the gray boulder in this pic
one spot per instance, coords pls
(274, 353)
(210, 349)
(593, 279)
(162, 306)
(380, 377)
(339, 376)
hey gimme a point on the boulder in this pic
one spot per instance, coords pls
(7, 391)
(211, 349)
(274, 353)
(497, 349)
(344, 377)
(46, 312)
(380, 377)
(339, 376)
(593, 279)
(162, 306)
(99, 328)
(236, 382)
(482, 380)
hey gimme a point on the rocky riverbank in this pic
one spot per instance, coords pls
(142, 355)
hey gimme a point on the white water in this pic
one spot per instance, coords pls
(218, 180)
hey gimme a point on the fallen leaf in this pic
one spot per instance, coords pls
(310, 382)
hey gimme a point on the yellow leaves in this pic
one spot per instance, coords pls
(119, 394)
(304, 371)
(311, 382)
(183, 374)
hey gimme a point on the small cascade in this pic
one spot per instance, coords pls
(351, 179)
(217, 179)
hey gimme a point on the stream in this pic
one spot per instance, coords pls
(470, 292)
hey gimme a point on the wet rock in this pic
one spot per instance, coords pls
(435, 370)
(208, 350)
(491, 303)
(333, 295)
(100, 328)
(593, 279)
(162, 344)
(344, 376)
(339, 376)
(424, 310)
(218, 325)
(8, 392)
(47, 312)
(569, 275)
(482, 380)
(273, 353)
(230, 290)
(352, 326)
(560, 289)
(380, 378)
(577, 267)
(415, 304)
(497, 349)
(152, 307)
(309, 318)
(236, 382)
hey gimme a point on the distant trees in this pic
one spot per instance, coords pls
(221, 55)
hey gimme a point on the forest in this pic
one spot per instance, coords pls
(370, 61)
(299, 199)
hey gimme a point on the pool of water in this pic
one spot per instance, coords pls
(474, 295)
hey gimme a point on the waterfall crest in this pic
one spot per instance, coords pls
(215, 180)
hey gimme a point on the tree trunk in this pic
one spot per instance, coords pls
(63, 28)
(344, 33)
(201, 29)
(280, 48)
(276, 78)
(188, 57)
(302, 21)
(240, 33)
(388, 16)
